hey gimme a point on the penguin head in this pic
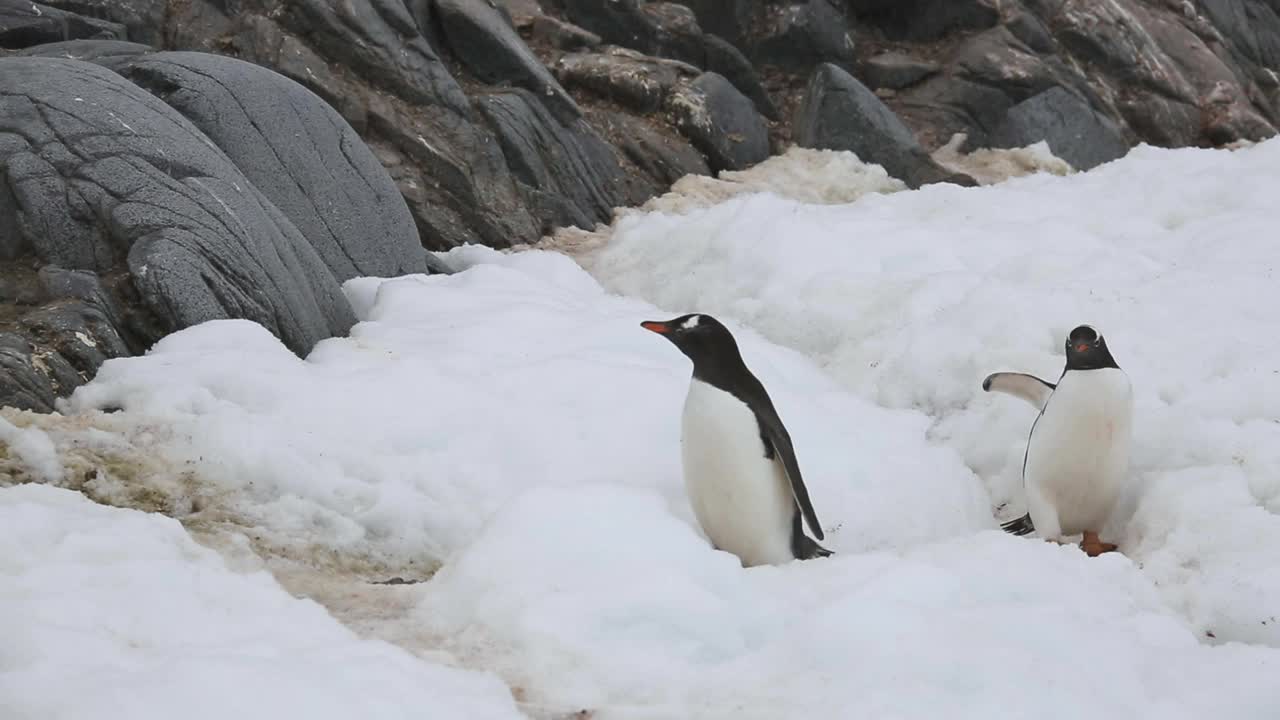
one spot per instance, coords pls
(1087, 350)
(699, 336)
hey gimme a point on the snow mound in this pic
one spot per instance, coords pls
(116, 613)
(599, 599)
(911, 299)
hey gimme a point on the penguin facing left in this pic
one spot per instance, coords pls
(740, 468)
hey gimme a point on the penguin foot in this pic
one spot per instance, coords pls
(1093, 547)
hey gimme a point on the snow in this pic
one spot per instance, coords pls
(509, 436)
(111, 613)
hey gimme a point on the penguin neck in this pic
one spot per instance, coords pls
(725, 371)
(1098, 360)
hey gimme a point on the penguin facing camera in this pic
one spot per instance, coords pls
(740, 468)
(1077, 457)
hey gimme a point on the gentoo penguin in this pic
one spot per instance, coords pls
(1077, 457)
(740, 468)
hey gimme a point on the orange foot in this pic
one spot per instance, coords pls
(1094, 547)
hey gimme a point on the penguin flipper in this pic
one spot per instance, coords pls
(1020, 385)
(1020, 526)
(802, 546)
(783, 453)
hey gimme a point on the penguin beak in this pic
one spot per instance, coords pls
(658, 327)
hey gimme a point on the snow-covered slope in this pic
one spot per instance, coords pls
(513, 426)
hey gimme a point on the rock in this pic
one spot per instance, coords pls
(24, 23)
(728, 19)
(799, 35)
(480, 37)
(107, 53)
(101, 173)
(840, 113)
(618, 22)
(674, 32)
(725, 59)
(1074, 131)
(997, 59)
(626, 77)
(663, 158)
(563, 35)
(721, 122)
(924, 20)
(380, 40)
(144, 20)
(896, 70)
(1031, 31)
(299, 152)
(1253, 28)
(568, 169)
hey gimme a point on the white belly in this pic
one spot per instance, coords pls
(1078, 454)
(741, 498)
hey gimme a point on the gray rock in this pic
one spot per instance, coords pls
(721, 122)
(380, 40)
(568, 170)
(618, 22)
(480, 37)
(100, 171)
(626, 77)
(24, 23)
(107, 53)
(729, 19)
(144, 20)
(840, 113)
(299, 152)
(563, 35)
(663, 158)
(924, 20)
(798, 35)
(1031, 31)
(897, 70)
(1074, 131)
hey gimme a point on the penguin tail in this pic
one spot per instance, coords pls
(808, 549)
(1021, 526)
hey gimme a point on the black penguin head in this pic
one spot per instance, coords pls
(1087, 350)
(701, 337)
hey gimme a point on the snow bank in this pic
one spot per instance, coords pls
(392, 448)
(109, 613)
(599, 599)
(911, 299)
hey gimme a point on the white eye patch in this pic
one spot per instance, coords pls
(690, 324)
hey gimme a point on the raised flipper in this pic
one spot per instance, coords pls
(1020, 385)
(802, 546)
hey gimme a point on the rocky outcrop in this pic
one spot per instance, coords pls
(840, 113)
(494, 121)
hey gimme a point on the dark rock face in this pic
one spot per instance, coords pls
(625, 77)
(24, 23)
(569, 172)
(840, 113)
(562, 35)
(729, 19)
(1074, 131)
(721, 122)
(896, 70)
(101, 175)
(107, 53)
(295, 149)
(479, 35)
(924, 20)
(799, 35)
(663, 158)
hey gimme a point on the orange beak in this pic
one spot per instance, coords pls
(660, 328)
(1082, 347)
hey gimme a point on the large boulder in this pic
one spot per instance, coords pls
(840, 113)
(1073, 130)
(721, 122)
(798, 35)
(570, 173)
(24, 23)
(299, 152)
(925, 20)
(479, 35)
(107, 53)
(634, 81)
(101, 176)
